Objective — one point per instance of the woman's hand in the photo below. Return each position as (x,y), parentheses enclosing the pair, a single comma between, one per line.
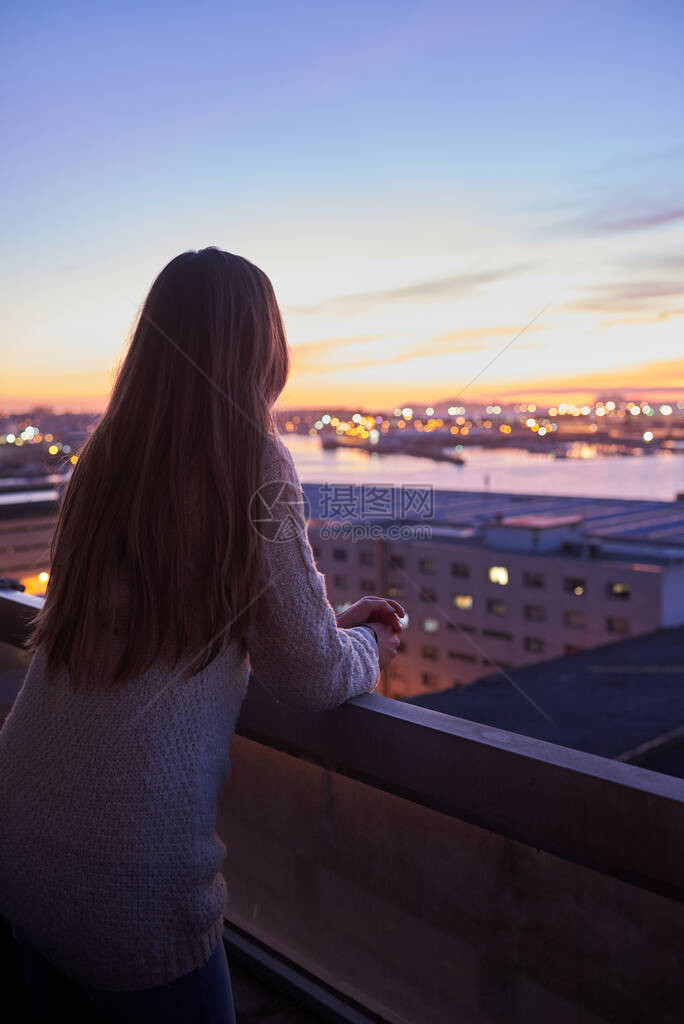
(372,609)
(388,642)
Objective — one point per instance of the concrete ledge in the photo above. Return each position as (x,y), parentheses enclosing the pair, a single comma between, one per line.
(616,818)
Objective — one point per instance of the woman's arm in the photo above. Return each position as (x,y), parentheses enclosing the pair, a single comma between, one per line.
(296,649)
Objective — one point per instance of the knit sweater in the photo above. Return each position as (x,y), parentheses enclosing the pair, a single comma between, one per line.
(109,858)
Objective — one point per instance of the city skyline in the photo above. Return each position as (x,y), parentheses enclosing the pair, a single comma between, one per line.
(432,191)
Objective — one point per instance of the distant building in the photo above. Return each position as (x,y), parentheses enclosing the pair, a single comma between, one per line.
(28,515)
(509,580)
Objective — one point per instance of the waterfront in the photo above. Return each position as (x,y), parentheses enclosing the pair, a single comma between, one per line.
(659,475)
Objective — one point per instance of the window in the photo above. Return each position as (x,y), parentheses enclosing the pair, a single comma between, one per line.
(426,565)
(574,585)
(427,594)
(575,620)
(572,649)
(395,590)
(340,581)
(497,664)
(614,625)
(340,554)
(496,607)
(429,625)
(534,644)
(367,558)
(396,562)
(497,574)
(462,656)
(534,579)
(368,586)
(428,679)
(622,590)
(460,569)
(534,613)
(461,628)
(429,652)
(496,634)
(463,602)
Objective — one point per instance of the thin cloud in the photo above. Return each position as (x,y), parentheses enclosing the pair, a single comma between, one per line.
(629,296)
(604,223)
(436,288)
(358,352)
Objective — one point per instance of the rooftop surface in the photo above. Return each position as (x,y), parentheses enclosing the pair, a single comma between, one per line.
(605,519)
(607,701)
(660,522)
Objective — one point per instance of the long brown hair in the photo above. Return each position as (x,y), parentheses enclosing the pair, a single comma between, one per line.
(160,494)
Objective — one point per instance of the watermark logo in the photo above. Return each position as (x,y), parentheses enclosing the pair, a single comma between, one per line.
(375,501)
(279,511)
(356,512)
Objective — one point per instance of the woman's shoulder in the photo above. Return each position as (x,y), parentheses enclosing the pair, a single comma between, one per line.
(277,461)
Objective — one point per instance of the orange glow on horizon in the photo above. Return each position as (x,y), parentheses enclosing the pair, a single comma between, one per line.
(89,391)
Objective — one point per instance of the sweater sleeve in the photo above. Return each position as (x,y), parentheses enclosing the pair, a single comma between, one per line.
(296,650)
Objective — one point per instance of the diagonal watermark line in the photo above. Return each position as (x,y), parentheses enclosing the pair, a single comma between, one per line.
(477,647)
(200,370)
(478,374)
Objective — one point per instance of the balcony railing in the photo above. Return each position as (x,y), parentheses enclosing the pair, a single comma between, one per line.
(418,867)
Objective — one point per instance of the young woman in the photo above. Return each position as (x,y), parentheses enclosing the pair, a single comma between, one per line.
(180,561)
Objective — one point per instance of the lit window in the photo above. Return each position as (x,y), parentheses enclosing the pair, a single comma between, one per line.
(575,586)
(463,602)
(395,590)
(622,590)
(498,574)
(430,625)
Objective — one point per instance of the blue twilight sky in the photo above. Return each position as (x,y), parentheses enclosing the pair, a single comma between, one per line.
(419,180)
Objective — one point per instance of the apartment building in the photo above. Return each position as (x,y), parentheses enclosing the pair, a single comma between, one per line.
(28,515)
(509,580)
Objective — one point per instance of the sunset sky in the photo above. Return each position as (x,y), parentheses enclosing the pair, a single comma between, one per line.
(420,181)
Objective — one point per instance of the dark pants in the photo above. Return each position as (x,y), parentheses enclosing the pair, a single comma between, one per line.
(204,996)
